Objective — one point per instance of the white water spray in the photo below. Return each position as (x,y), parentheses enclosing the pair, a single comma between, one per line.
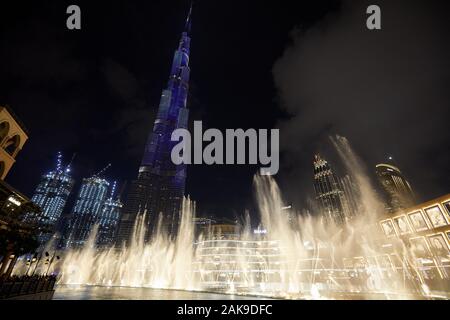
(300,258)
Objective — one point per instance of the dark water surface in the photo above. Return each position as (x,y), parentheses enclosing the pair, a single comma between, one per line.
(122,293)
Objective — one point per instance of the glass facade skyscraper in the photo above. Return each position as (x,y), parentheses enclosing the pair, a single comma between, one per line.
(108,220)
(86,211)
(397,189)
(53,191)
(159,188)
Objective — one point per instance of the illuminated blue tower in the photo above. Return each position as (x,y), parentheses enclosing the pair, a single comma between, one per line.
(159,188)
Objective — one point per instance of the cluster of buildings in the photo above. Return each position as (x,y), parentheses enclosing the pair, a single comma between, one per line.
(155,195)
(338,197)
(158,190)
(95,205)
(422,228)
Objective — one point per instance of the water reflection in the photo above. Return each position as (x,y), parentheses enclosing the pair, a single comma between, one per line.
(123,293)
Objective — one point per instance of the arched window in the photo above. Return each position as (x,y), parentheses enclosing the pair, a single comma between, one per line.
(12,144)
(4,130)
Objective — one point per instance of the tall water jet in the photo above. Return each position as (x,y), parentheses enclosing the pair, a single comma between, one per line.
(161,263)
(298,257)
(368,200)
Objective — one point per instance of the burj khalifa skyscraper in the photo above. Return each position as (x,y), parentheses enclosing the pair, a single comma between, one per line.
(159,188)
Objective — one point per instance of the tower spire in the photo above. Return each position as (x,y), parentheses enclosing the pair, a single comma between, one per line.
(187,27)
(69,165)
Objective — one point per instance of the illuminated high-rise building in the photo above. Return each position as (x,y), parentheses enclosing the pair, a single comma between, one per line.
(52,192)
(397,189)
(329,193)
(159,188)
(108,219)
(86,211)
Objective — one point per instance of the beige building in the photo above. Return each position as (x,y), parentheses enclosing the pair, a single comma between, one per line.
(13,204)
(13,136)
(425,229)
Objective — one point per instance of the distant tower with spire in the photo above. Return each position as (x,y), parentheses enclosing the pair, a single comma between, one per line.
(329,192)
(160,186)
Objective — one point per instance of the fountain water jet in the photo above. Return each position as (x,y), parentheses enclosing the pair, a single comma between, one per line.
(304,258)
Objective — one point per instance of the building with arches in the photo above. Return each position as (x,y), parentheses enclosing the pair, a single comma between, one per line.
(17,235)
(13,136)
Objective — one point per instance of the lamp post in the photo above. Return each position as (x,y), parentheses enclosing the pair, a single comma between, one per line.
(11,265)
(37,263)
(51,261)
(31,261)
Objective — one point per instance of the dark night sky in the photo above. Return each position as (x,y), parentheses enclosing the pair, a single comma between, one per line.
(310,68)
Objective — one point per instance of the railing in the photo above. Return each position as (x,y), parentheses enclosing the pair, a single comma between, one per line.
(20,286)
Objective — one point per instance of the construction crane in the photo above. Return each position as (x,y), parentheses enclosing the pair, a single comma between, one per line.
(69,166)
(101,171)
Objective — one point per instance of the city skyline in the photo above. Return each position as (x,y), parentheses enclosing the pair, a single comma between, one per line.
(121,83)
(225,150)
(53,191)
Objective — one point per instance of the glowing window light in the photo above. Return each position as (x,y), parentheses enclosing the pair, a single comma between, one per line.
(260,231)
(14,201)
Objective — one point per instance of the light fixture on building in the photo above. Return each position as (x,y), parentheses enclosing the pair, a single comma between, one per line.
(260,231)
(14,201)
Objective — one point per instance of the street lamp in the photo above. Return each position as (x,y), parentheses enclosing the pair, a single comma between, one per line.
(30,263)
(38,260)
(50,261)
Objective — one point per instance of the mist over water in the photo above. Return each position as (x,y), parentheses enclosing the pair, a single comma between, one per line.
(300,257)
